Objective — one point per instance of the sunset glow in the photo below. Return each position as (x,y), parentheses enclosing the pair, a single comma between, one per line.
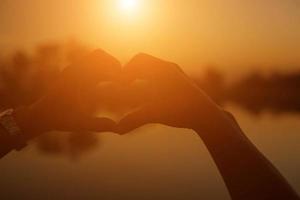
(235,36)
(150,99)
(128,6)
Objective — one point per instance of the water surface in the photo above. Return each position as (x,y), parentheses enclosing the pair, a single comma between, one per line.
(153,162)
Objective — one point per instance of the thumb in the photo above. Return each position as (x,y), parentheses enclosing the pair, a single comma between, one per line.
(98,124)
(136,119)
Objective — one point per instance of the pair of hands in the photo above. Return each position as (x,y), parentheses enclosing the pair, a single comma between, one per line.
(174,101)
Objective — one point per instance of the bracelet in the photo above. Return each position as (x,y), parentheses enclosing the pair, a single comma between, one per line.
(12,131)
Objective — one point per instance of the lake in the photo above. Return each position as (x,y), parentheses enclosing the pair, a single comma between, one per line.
(153,162)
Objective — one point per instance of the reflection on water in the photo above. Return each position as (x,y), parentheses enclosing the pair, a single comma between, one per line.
(153,162)
(72,145)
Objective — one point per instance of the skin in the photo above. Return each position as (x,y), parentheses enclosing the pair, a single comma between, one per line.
(174,101)
(178,102)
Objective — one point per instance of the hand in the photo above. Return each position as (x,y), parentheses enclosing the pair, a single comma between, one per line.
(68,105)
(176,101)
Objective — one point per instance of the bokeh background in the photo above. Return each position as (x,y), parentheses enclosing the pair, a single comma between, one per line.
(244,54)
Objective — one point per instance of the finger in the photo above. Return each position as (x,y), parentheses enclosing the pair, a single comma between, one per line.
(144,66)
(165,78)
(95,67)
(97,124)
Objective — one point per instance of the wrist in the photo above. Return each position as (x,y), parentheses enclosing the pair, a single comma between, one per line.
(28,122)
(216,121)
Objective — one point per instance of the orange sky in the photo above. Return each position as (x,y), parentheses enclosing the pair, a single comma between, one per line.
(231,34)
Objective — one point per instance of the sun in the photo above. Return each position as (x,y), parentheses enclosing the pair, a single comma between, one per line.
(128,5)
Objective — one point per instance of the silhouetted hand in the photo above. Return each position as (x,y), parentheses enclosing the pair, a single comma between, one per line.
(175,101)
(68,105)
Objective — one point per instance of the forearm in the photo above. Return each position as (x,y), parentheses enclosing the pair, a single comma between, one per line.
(246,172)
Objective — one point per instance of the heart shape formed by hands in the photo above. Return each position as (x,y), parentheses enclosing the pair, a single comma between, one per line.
(159,90)
(169,97)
